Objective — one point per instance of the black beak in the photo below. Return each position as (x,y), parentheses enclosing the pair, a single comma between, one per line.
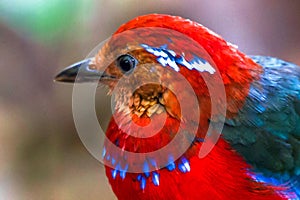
(80,72)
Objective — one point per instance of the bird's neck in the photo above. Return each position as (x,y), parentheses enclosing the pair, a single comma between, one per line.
(222,173)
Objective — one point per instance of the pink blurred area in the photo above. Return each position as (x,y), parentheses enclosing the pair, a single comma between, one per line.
(41,156)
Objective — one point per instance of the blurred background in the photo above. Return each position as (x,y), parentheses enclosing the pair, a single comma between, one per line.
(41,156)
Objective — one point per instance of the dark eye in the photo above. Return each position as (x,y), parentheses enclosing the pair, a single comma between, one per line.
(126,62)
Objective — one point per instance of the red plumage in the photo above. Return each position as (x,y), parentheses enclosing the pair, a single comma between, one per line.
(222,174)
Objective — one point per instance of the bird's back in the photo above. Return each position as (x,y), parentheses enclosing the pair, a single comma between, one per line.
(266,131)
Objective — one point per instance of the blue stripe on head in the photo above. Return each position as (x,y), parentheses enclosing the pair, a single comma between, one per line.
(168,57)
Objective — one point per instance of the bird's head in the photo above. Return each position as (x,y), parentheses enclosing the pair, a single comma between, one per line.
(143,67)
(159,65)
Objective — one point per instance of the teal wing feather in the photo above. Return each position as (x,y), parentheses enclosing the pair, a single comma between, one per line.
(266,131)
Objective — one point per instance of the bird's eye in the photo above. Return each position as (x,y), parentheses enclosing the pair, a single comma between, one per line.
(126,62)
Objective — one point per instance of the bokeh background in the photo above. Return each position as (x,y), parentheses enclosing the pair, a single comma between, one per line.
(41,156)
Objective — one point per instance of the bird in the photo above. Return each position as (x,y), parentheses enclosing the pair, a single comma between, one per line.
(165,69)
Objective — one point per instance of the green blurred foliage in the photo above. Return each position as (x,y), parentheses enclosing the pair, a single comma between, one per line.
(43,19)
